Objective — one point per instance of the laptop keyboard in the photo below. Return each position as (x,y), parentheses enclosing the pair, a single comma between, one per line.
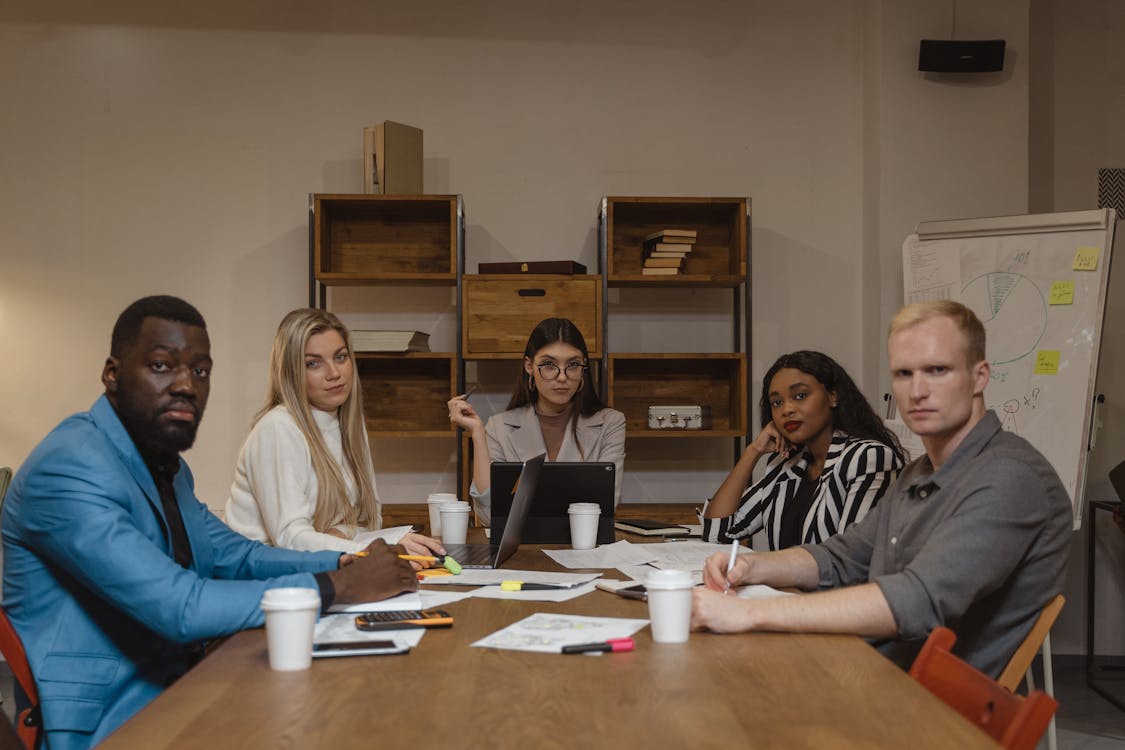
(472,555)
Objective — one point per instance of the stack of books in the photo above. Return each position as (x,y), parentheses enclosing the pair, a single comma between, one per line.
(665,251)
(390,341)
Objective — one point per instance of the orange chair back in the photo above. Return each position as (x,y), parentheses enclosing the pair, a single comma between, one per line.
(29,725)
(1016,723)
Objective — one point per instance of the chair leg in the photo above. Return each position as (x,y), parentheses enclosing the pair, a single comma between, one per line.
(1049,688)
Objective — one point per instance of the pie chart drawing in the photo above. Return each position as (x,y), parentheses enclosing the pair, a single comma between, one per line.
(1013,311)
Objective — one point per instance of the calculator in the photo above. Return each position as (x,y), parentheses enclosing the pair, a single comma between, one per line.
(404,618)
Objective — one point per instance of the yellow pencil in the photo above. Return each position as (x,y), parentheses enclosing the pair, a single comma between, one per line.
(417,558)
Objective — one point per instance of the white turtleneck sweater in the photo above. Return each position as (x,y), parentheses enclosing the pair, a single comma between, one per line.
(273,496)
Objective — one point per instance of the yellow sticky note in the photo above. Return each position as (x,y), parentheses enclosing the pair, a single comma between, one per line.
(1062,293)
(1086,258)
(1047,362)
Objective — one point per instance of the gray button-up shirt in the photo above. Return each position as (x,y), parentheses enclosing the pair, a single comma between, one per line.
(979,546)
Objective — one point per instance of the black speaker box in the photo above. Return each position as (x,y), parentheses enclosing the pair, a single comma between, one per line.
(953,56)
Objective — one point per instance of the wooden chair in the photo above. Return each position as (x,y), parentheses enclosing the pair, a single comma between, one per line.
(29,724)
(1019,666)
(1015,722)
(1020,663)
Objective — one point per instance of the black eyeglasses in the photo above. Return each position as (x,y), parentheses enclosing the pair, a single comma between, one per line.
(550,371)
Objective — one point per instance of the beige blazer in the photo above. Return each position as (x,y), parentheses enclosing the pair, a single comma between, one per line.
(515,435)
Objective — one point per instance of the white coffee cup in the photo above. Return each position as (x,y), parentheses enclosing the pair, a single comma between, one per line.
(454,522)
(433,502)
(290,620)
(669,605)
(584,524)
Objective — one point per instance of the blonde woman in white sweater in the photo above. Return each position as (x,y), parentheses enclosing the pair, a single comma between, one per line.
(304,478)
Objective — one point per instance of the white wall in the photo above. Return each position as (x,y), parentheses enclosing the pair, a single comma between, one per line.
(174,153)
(1077,111)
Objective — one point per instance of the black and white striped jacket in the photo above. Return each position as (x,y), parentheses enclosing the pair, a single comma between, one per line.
(856,474)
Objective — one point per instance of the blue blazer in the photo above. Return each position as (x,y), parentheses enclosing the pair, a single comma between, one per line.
(107,617)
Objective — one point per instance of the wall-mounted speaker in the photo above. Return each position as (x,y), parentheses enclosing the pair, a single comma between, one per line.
(952,56)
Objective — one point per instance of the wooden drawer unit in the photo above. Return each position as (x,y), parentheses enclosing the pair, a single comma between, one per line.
(718,257)
(405,395)
(637,381)
(500,311)
(374,239)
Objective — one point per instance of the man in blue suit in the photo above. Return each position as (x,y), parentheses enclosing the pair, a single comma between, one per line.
(115,575)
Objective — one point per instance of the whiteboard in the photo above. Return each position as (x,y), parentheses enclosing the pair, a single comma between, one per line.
(1038,283)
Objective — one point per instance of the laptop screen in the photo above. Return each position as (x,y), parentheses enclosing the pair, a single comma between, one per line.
(559,485)
(520,505)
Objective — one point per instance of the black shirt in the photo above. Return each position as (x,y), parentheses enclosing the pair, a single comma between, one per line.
(794,512)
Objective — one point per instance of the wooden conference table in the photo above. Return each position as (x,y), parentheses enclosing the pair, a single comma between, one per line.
(761,690)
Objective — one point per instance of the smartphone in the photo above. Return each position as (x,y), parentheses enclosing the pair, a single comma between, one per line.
(404,618)
(358,648)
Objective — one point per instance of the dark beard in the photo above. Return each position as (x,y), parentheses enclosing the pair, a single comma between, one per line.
(155,441)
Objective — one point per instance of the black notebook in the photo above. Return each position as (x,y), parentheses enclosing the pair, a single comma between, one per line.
(650,527)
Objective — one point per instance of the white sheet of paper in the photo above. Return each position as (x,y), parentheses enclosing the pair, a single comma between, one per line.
(488,576)
(688,555)
(548,632)
(392,535)
(409,600)
(341,629)
(606,556)
(550,595)
(761,591)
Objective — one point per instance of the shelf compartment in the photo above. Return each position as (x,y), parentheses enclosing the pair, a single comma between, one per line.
(718,257)
(374,239)
(405,395)
(718,380)
(501,310)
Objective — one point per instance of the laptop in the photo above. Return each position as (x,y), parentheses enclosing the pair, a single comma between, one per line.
(560,484)
(494,555)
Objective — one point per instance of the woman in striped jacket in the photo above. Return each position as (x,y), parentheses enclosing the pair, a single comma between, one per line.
(832,460)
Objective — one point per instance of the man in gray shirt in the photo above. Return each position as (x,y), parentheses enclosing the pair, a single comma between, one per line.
(973,535)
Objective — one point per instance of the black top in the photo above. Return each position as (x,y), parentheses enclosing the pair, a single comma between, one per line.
(794,512)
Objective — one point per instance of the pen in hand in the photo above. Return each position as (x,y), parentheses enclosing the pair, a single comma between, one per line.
(730,563)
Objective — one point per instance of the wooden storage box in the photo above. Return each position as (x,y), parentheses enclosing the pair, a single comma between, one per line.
(638,381)
(405,395)
(372,239)
(500,311)
(718,257)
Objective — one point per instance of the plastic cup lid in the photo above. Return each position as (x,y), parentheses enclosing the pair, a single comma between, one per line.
(584,508)
(441,497)
(290,598)
(454,507)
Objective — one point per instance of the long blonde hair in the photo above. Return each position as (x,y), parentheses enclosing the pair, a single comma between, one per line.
(287,387)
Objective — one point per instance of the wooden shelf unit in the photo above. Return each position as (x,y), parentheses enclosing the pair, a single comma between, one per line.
(500,311)
(404,395)
(393,240)
(718,380)
(360,240)
(718,258)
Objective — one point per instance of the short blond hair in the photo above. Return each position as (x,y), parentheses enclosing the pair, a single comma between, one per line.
(965,319)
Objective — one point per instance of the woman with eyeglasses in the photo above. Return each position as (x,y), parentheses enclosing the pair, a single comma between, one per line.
(555,409)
